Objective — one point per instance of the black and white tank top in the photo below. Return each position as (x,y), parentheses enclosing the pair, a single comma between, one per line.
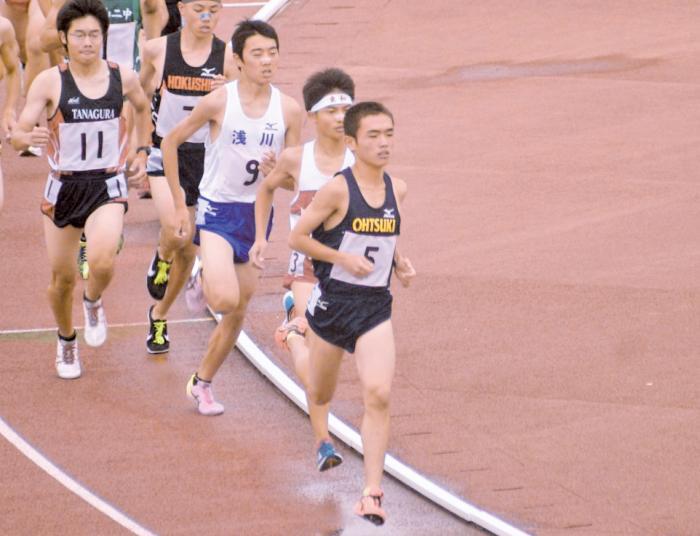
(365,230)
(182,86)
(88,136)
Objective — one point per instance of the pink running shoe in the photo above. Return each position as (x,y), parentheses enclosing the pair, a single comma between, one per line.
(203,396)
(370,506)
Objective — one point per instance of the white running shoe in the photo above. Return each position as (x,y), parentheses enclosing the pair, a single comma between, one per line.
(95,322)
(67,359)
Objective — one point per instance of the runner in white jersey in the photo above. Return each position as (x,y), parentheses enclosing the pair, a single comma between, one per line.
(327,96)
(350,229)
(250,121)
(178,70)
(86,189)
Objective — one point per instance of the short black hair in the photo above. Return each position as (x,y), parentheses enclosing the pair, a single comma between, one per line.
(247,28)
(321,83)
(356,112)
(76,9)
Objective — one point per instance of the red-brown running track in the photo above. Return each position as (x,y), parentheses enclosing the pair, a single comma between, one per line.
(547,351)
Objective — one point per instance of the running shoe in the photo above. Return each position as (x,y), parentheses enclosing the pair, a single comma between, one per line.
(288,304)
(327,457)
(83,267)
(370,506)
(157,277)
(294,328)
(194,293)
(95,322)
(67,359)
(201,392)
(157,341)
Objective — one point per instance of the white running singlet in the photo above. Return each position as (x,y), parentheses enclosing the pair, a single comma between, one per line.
(232,160)
(311,180)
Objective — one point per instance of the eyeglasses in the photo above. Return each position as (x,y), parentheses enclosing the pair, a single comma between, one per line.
(92,36)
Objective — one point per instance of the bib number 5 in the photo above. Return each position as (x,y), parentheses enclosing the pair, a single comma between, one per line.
(369,250)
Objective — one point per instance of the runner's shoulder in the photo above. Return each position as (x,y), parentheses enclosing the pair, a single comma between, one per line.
(290,105)
(400,187)
(153,48)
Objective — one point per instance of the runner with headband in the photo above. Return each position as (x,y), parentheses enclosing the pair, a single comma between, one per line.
(327,96)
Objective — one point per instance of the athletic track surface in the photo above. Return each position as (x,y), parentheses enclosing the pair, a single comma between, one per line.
(547,352)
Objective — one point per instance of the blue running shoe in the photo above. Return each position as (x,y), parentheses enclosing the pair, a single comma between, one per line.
(327,457)
(288,304)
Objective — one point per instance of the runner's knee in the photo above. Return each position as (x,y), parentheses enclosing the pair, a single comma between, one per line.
(377,397)
(102,264)
(319,396)
(62,282)
(222,300)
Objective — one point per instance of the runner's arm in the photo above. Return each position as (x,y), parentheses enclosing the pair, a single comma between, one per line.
(142,108)
(292,118)
(402,265)
(39,97)
(49,35)
(206,111)
(280,176)
(9,50)
(230,69)
(142,122)
(147,74)
(153,17)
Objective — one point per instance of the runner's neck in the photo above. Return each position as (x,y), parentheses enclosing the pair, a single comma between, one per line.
(331,147)
(368,175)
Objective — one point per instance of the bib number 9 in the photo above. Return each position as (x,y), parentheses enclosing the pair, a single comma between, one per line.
(252,167)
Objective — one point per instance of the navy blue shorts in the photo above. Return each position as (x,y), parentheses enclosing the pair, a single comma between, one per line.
(234,222)
(341,319)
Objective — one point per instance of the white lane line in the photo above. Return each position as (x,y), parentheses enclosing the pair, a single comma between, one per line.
(125,325)
(81,491)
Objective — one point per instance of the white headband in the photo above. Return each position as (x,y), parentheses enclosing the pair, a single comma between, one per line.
(332,99)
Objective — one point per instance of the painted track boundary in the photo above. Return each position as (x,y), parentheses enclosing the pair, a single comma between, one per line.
(70,483)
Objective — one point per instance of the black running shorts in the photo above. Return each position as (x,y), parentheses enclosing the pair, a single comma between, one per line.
(71,200)
(341,319)
(190,163)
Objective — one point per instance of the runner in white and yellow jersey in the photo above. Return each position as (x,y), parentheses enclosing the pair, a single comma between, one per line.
(327,95)
(86,188)
(250,121)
